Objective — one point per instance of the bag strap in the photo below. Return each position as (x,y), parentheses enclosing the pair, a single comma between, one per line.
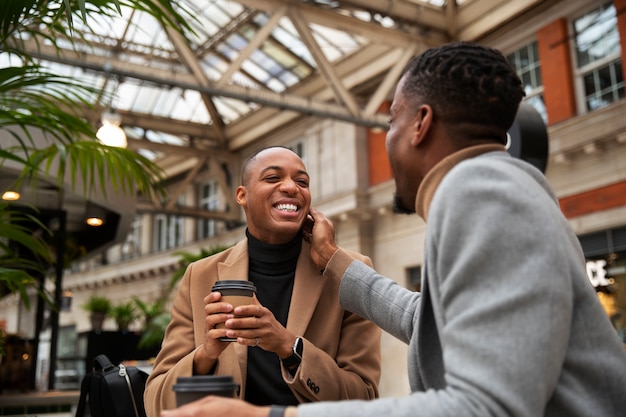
(124,373)
(82,400)
(102,364)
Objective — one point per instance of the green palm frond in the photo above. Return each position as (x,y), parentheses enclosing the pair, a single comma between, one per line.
(35,100)
(97,165)
(17,271)
(153,333)
(23,17)
(13,228)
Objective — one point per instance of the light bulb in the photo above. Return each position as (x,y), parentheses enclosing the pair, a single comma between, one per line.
(112,135)
(10,195)
(94,221)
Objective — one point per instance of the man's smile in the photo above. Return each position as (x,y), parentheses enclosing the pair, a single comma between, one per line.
(290,208)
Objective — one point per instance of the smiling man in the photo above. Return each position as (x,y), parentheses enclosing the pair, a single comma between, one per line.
(294,343)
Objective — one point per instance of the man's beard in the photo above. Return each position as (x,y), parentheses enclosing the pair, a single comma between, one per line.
(400,208)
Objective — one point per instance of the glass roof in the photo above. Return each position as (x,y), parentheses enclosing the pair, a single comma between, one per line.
(222,30)
(230,46)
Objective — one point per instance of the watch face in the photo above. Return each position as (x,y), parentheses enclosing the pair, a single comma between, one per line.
(296,357)
(298,347)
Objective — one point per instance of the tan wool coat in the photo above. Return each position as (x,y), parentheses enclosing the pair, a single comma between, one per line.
(341,357)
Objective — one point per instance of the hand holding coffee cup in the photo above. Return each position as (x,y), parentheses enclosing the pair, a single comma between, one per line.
(234,292)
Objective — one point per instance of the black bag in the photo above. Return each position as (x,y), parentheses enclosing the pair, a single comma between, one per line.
(112,391)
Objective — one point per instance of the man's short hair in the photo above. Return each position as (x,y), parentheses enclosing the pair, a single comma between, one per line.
(465,83)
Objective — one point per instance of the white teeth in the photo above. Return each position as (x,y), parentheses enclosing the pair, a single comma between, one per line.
(286,207)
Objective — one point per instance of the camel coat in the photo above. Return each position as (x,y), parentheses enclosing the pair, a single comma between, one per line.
(341,357)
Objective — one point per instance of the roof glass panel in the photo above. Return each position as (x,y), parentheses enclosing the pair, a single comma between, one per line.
(231,109)
(167,101)
(287,34)
(144,30)
(243,80)
(159,137)
(77,75)
(146,99)
(334,43)
(134,43)
(287,60)
(275,84)
(259,74)
(270,66)
(227,51)
(210,18)
(288,78)
(126,95)
(213,66)
(189,107)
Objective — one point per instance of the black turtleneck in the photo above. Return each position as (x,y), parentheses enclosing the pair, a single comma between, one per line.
(272,269)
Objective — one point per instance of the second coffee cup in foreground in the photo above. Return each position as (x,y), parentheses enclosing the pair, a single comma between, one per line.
(192,388)
(234,292)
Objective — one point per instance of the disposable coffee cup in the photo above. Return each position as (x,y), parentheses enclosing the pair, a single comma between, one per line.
(192,388)
(234,292)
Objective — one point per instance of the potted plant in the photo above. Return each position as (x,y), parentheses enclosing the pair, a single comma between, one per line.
(148,311)
(99,308)
(124,314)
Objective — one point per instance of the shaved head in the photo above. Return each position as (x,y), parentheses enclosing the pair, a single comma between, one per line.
(250,162)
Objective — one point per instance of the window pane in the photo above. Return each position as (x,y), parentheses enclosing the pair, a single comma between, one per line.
(528,66)
(209,199)
(598,55)
(596,35)
(604,86)
(526,62)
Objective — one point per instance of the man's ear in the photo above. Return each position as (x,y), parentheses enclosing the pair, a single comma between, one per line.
(423,121)
(240,195)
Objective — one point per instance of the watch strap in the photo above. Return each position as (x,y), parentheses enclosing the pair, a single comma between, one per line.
(277,411)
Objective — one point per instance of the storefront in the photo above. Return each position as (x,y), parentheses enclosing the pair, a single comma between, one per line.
(605,253)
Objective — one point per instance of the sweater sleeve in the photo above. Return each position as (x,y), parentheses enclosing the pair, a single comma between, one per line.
(366,293)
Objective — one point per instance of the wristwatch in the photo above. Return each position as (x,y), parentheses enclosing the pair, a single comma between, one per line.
(294,360)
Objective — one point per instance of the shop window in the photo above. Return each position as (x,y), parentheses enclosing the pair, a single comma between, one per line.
(131,248)
(598,58)
(526,62)
(167,231)
(70,365)
(298,147)
(605,253)
(209,199)
(604,242)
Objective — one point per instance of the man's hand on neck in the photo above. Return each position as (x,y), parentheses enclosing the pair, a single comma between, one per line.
(320,234)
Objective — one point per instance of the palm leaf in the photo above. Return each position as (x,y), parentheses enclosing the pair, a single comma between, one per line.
(33,99)
(13,227)
(98,165)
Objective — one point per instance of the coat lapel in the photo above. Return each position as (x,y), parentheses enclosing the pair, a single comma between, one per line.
(236,265)
(307,289)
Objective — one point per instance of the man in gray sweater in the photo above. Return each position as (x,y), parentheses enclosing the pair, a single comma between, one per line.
(507,322)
